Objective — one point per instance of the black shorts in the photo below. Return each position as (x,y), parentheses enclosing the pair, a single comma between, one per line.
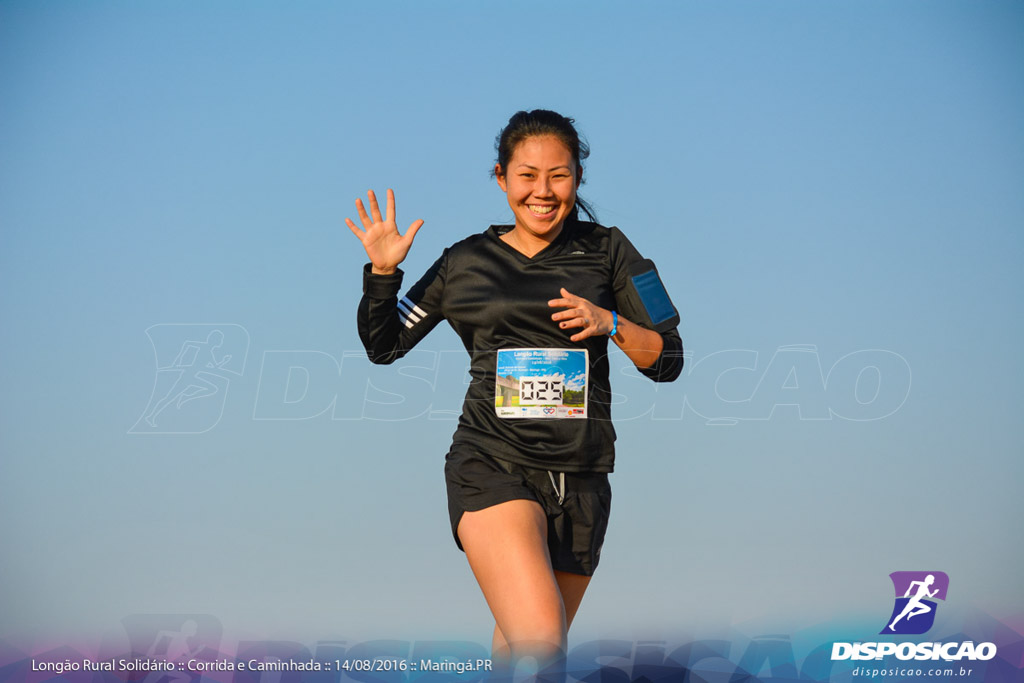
(577,504)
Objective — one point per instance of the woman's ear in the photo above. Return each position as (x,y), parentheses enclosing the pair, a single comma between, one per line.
(499,175)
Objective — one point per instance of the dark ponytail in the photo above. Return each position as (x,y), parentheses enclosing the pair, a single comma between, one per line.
(528,124)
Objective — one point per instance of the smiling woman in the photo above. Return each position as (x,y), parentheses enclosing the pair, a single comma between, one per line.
(540,167)
(527,472)
(541,186)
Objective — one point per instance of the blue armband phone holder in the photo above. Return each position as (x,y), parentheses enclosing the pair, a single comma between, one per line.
(647,294)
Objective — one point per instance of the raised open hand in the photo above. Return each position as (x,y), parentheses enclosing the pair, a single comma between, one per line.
(384,245)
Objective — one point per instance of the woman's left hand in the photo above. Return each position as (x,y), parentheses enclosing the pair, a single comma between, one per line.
(581,313)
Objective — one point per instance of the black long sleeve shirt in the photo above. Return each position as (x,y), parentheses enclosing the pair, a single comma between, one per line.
(495,298)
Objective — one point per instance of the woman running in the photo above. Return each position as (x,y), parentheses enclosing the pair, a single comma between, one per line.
(535,304)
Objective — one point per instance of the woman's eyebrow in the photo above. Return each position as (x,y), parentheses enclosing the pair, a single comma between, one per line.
(553,168)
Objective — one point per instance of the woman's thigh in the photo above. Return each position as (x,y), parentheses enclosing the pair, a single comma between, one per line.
(506,545)
(572,587)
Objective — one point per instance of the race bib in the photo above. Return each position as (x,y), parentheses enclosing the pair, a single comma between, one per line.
(544,383)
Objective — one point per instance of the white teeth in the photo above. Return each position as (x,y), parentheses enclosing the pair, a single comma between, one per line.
(542,209)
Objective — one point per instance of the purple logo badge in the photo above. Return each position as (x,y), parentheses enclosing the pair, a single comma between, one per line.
(916,592)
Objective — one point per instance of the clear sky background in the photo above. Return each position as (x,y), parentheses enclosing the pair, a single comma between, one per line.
(830,190)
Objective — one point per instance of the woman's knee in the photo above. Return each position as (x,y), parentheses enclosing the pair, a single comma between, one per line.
(538,661)
(540,645)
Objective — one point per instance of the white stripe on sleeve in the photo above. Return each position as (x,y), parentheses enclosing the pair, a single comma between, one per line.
(407,311)
(413,307)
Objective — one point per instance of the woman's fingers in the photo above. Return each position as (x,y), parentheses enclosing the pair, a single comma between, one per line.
(413,229)
(569,314)
(563,303)
(588,324)
(355,229)
(362,214)
(374,216)
(374,207)
(591,324)
(576,316)
(559,303)
(384,245)
(574,305)
(576,319)
(568,299)
(578,312)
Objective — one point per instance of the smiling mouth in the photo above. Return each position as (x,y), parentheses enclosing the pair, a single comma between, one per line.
(538,210)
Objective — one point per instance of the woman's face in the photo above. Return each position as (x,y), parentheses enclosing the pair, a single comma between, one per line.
(540,182)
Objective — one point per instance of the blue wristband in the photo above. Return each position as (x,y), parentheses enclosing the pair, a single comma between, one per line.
(615,324)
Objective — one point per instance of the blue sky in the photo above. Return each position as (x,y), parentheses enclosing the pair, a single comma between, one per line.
(831,192)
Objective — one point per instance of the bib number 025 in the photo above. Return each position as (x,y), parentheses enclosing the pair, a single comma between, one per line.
(535,391)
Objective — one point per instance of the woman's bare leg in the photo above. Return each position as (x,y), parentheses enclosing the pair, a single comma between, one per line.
(571,586)
(506,546)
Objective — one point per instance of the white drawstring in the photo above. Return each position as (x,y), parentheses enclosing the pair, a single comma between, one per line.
(560,491)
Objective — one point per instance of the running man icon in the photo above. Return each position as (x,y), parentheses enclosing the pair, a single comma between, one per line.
(191,383)
(915,606)
(195,364)
(175,647)
(918,589)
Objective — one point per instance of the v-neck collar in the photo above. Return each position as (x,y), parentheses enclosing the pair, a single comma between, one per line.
(496,231)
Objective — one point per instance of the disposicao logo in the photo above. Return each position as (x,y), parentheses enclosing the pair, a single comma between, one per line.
(913,614)
(916,592)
